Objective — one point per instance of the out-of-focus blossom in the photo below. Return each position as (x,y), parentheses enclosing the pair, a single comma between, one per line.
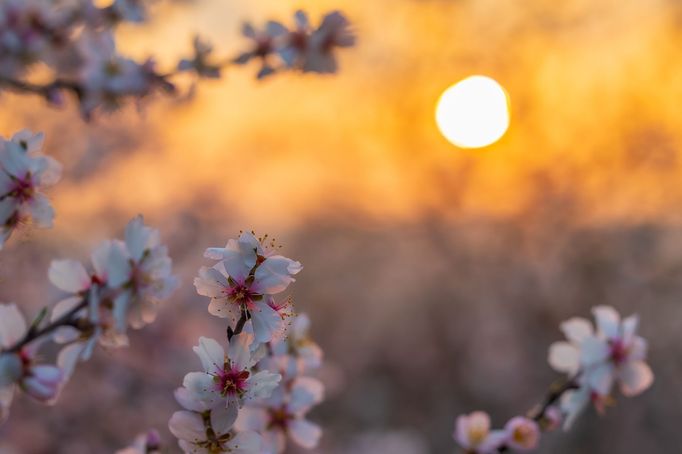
(209,432)
(145,279)
(264,46)
(200,63)
(241,282)
(522,434)
(472,432)
(228,380)
(107,79)
(333,33)
(128,10)
(282,415)
(295,354)
(24,173)
(145,443)
(18,368)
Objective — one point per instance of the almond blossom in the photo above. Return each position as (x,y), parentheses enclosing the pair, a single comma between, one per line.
(614,353)
(228,379)
(282,415)
(240,283)
(522,434)
(18,368)
(201,429)
(24,174)
(472,432)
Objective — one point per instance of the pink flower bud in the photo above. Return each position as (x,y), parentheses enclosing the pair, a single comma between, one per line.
(523,434)
(43,382)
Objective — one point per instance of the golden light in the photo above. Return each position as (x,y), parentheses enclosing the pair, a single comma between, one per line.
(473,113)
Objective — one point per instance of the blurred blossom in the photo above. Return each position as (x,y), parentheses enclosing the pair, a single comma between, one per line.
(24,174)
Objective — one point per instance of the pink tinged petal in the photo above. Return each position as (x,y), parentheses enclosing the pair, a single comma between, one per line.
(476,423)
(600,378)
(638,349)
(52,172)
(31,142)
(12,325)
(266,322)
(68,357)
(635,377)
(492,442)
(118,266)
(211,354)
(235,267)
(211,283)
(261,385)
(188,426)
(120,311)
(39,389)
(191,448)
(100,259)
(6,186)
(252,418)
(40,210)
(137,237)
(202,387)
(304,433)
(608,321)
(577,329)
(305,392)
(224,308)
(522,434)
(239,352)
(594,351)
(11,369)
(573,403)
(68,275)
(273,275)
(629,328)
(49,375)
(245,443)
(223,418)
(15,161)
(6,396)
(188,401)
(564,357)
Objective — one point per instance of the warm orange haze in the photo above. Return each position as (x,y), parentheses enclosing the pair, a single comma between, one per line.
(436,274)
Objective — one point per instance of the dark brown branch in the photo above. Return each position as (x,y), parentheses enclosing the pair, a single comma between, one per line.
(34,332)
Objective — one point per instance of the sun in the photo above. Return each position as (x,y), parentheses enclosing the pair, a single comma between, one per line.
(473,113)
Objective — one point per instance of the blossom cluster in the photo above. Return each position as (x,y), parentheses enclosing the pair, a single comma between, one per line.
(254,392)
(303,47)
(594,359)
(122,288)
(24,173)
(75,39)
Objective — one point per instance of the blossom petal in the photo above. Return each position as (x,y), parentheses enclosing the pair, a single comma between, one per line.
(304,433)
(211,354)
(635,377)
(68,275)
(564,357)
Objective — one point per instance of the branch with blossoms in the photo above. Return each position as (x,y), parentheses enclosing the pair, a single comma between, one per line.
(594,360)
(255,391)
(123,287)
(76,42)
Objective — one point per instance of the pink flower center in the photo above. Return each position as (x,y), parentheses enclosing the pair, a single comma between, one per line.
(232,381)
(279,418)
(619,352)
(23,189)
(241,294)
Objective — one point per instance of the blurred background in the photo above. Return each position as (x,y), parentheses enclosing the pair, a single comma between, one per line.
(435,277)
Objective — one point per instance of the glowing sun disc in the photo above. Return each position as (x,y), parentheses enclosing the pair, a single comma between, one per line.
(473,113)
